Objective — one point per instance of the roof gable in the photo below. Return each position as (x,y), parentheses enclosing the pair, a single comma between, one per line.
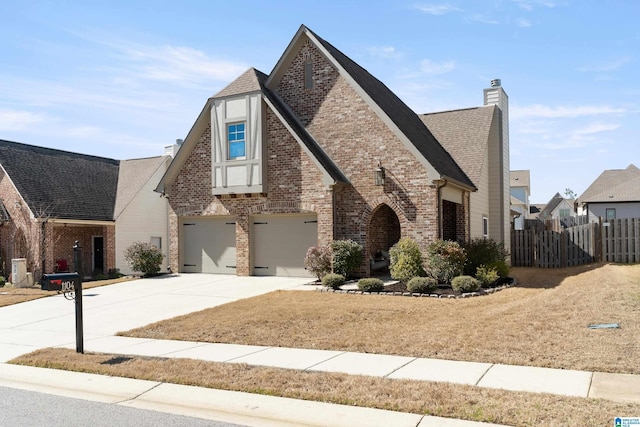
(250,81)
(404,121)
(133,176)
(61,184)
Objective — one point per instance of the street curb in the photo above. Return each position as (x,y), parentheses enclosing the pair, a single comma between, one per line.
(221,405)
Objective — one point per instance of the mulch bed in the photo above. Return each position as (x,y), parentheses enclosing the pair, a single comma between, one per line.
(400,289)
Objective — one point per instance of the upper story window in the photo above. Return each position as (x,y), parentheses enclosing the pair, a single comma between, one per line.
(565,213)
(610,213)
(236,141)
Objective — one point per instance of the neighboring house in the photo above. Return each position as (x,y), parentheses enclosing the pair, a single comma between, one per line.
(614,194)
(558,208)
(140,214)
(320,150)
(520,190)
(53,198)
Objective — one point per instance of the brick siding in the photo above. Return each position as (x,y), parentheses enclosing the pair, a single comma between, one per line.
(354,137)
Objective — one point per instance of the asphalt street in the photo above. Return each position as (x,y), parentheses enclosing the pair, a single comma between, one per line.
(28,408)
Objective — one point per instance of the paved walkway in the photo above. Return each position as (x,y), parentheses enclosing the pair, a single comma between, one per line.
(50,322)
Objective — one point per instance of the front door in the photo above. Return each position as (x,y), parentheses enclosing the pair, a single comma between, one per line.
(98,253)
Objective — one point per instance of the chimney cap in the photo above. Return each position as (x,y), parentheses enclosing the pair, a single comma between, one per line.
(179,141)
(496,83)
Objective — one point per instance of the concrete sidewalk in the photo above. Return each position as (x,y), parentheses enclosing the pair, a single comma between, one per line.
(49,322)
(617,387)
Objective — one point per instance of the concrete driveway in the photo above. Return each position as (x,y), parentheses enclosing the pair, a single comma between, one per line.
(49,322)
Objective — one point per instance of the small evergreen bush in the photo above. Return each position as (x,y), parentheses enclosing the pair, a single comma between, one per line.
(445,260)
(144,257)
(465,284)
(333,281)
(487,276)
(406,260)
(371,284)
(347,256)
(422,285)
(318,261)
(3,281)
(114,273)
(486,252)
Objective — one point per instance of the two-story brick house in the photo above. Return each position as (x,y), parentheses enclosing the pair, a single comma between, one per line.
(318,150)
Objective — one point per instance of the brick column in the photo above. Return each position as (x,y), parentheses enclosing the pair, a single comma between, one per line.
(243,246)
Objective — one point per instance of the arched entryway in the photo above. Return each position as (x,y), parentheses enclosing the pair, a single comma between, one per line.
(384,232)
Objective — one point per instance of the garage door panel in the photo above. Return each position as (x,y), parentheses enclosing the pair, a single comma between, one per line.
(209,245)
(280,244)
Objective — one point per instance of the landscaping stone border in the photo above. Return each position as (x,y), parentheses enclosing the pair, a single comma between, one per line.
(478,293)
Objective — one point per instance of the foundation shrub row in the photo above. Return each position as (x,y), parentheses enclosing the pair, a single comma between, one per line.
(464,268)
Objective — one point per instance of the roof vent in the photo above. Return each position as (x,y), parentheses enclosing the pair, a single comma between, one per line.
(496,83)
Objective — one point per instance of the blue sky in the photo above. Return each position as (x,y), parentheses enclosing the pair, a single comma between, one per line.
(122,79)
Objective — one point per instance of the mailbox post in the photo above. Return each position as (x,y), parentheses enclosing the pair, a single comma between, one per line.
(77,262)
(70,284)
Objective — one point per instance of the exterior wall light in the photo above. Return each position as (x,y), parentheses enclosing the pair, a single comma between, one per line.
(379,175)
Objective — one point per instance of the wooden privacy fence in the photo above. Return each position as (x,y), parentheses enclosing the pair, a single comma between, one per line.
(555,247)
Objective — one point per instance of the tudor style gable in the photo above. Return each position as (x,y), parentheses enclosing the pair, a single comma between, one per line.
(237,129)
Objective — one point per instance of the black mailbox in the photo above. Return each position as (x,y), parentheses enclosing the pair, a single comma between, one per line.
(64,282)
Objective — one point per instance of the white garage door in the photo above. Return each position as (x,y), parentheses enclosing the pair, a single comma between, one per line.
(280,243)
(209,245)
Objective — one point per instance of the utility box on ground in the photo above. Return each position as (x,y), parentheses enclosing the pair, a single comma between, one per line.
(19,272)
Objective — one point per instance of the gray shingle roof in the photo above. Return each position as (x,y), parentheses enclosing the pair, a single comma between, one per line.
(61,184)
(401,115)
(614,185)
(250,81)
(465,135)
(549,207)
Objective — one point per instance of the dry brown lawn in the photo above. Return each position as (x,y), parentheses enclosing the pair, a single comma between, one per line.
(10,295)
(541,322)
(420,397)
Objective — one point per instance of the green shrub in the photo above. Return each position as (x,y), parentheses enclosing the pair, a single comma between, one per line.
(465,284)
(370,285)
(347,256)
(406,260)
(3,281)
(486,275)
(318,260)
(445,260)
(422,285)
(114,273)
(144,257)
(333,281)
(486,252)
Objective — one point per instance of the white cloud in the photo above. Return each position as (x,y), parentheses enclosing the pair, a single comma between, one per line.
(531,4)
(606,67)
(179,64)
(384,52)
(437,9)
(478,17)
(15,120)
(545,111)
(430,67)
(523,23)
